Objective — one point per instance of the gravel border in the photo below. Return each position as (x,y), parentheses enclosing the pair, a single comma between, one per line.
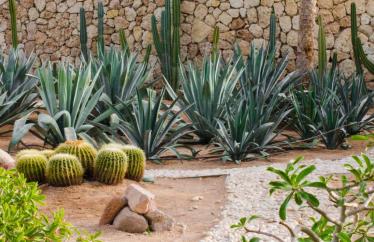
(248,194)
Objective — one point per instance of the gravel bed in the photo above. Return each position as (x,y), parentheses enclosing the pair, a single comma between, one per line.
(248,194)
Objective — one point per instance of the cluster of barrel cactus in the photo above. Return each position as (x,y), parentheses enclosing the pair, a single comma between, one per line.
(71,161)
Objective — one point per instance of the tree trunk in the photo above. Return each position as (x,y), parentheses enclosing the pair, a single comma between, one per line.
(305,53)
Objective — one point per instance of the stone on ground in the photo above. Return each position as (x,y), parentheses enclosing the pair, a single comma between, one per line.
(112,209)
(130,222)
(159,221)
(6,161)
(139,199)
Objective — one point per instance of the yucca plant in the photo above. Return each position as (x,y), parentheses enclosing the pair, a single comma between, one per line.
(68,98)
(207,91)
(151,125)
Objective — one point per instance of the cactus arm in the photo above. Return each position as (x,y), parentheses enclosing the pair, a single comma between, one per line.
(215,43)
(272,33)
(322,56)
(100,28)
(13,22)
(355,41)
(83,34)
(365,61)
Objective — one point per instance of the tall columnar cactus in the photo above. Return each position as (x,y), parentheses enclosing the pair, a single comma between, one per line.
(359,53)
(64,170)
(110,166)
(100,28)
(26,151)
(83,34)
(167,41)
(137,162)
(85,152)
(322,50)
(33,166)
(13,22)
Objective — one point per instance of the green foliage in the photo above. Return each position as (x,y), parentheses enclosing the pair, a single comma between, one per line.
(17,87)
(100,28)
(207,91)
(21,219)
(84,151)
(13,22)
(64,170)
(151,125)
(69,99)
(359,54)
(167,41)
(33,166)
(83,34)
(136,161)
(259,106)
(110,166)
(352,197)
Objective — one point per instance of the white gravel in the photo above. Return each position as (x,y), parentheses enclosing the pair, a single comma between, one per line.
(248,194)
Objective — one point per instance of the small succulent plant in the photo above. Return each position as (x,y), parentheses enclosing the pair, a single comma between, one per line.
(64,170)
(32,165)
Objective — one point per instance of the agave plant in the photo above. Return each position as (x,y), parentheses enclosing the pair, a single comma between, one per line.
(68,98)
(207,91)
(17,87)
(244,131)
(356,102)
(152,126)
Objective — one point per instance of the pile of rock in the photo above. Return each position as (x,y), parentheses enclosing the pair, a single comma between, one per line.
(135,212)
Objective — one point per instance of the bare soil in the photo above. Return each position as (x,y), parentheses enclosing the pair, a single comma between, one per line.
(84,204)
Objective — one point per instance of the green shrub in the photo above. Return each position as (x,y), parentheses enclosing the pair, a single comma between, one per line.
(64,170)
(20,219)
(85,153)
(33,166)
(110,166)
(352,196)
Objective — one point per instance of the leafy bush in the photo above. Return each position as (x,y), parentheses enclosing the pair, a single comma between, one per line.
(207,91)
(151,125)
(68,98)
(353,198)
(20,219)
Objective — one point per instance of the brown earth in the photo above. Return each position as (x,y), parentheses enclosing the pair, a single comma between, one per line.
(84,204)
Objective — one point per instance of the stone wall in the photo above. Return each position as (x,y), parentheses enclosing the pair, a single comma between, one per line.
(51,27)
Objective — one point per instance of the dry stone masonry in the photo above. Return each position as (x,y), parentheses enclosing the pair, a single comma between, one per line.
(51,28)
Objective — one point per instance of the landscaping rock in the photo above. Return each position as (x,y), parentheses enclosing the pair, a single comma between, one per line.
(130,222)
(159,221)
(112,209)
(139,199)
(6,161)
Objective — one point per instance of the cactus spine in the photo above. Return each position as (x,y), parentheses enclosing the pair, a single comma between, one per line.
(167,41)
(13,22)
(85,153)
(359,54)
(33,166)
(137,162)
(47,153)
(83,34)
(110,166)
(64,170)
(26,152)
